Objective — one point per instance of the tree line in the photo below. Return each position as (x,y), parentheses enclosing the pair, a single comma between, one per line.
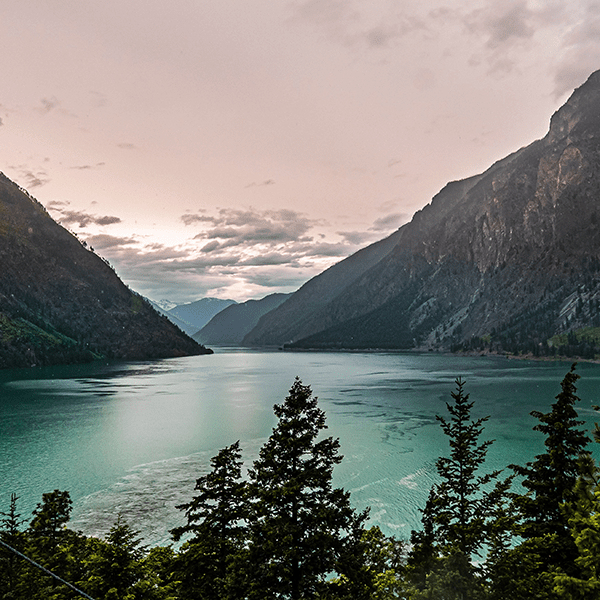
(284,531)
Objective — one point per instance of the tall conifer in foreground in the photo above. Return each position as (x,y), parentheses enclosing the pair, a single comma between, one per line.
(461,511)
(547,548)
(300,526)
(216,523)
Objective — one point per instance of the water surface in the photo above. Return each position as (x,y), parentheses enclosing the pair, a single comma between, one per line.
(133,437)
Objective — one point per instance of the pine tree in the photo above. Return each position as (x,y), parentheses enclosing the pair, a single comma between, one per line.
(462,509)
(114,565)
(216,522)
(583,513)
(300,526)
(550,479)
(49,542)
(547,548)
(10,563)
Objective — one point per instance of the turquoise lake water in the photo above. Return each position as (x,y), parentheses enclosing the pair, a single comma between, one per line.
(132,438)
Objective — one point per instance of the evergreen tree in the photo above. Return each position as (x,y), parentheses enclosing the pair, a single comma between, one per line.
(462,509)
(583,514)
(300,527)
(550,479)
(215,520)
(114,565)
(10,563)
(48,542)
(547,548)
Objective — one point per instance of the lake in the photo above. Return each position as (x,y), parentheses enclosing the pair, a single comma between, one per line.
(132,437)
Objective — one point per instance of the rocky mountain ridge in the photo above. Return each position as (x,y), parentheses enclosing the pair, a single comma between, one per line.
(504,260)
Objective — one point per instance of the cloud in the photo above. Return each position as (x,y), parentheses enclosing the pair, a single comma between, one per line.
(354,24)
(266,182)
(243,249)
(88,167)
(56,204)
(502,23)
(249,226)
(103,241)
(389,222)
(29,178)
(581,44)
(81,218)
(48,105)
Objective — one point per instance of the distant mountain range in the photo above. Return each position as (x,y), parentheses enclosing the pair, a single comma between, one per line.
(230,326)
(61,303)
(508,260)
(192,317)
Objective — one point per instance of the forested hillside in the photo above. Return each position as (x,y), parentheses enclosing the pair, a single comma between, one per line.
(61,303)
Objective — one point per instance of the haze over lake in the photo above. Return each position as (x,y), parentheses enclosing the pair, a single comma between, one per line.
(133,437)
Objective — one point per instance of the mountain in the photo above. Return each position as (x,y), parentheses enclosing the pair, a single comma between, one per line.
(228,327)
(61,303)
(506,260)
(160,308)
(194,316)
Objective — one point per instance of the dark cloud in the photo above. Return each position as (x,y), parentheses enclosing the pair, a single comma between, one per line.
(272,258)
(389,222)
(83,219)
(88,167)
(103,241)
(357,238)
(266,182)
(214,245)
(189,219)
(56,204)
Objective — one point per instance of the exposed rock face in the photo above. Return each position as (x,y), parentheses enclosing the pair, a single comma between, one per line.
(511,256)
(60,302)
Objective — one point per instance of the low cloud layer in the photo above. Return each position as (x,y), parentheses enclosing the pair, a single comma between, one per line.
(238,253)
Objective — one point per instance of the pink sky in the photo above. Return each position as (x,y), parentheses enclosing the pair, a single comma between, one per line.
(237,148)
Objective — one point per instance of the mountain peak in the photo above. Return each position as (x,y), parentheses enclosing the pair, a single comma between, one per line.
(581,109)
(506,260)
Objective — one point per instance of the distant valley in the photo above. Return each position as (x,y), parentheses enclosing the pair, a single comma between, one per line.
(505,261)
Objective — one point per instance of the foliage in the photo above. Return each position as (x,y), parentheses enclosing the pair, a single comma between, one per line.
(300,527)
(205,566)
(462,513)
(544,547)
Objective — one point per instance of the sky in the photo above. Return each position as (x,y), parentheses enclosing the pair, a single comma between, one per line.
(237,148)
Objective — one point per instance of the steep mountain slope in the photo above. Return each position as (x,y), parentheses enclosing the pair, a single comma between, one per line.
(60,302)
(229,327)
(295,316)
(194,316)
(503,260)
